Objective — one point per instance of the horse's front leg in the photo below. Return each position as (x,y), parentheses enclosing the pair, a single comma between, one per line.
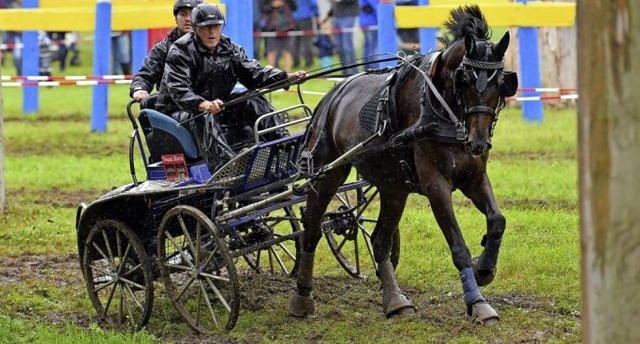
(439,193)
(481,194)
(318,198)
(391,208)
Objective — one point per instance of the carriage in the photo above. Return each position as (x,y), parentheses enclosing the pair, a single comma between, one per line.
(193,231)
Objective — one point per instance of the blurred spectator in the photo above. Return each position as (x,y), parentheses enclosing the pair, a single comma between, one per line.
(3,4)
(306,19)
(258,26)
(369,18)
(279,18)
(14,40)
(121,61)
(71,42)
(409,39)
(324,44)
(66,41)
(344,18)
(44,44)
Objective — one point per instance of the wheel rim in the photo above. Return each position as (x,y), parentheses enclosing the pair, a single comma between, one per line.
(282,257)
(118,275)
(197,270)
(351,244)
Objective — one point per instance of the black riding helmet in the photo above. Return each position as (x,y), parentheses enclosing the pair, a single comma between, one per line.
(207,14)
(184,4)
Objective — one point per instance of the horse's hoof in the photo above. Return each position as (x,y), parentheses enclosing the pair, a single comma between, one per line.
(483,276)
(301,306)
(399,305)
(483,314)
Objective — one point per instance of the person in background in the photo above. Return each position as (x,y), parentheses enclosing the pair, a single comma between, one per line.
(121,61)
(279,19)
(344,18)
(324,44)
(201,70)
(71,42)
(44,45)
(150,74)
(258,26)
(368,19)
(306,19)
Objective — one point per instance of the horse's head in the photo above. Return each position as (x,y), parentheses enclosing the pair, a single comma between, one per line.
(476,78)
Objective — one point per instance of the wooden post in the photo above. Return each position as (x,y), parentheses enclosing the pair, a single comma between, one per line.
(609,137)
(3,195)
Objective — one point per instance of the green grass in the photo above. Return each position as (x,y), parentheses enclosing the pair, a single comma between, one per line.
(53,162)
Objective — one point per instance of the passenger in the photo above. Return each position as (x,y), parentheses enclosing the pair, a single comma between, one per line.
(201,71)
(150,74)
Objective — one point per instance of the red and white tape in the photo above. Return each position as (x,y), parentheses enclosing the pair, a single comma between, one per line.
(92,80)
(65,77)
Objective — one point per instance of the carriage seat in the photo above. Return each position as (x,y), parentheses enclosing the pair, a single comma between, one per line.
(165,136)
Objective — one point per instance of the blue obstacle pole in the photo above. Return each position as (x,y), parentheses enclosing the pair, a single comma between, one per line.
(530,70)
(387,40)
(139,43)
(101,55)
(427,35)
(239,23)
(30,63)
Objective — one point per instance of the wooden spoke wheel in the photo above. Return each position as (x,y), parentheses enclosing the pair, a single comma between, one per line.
(348,225)
(281,257)
(118,275)
(197,270)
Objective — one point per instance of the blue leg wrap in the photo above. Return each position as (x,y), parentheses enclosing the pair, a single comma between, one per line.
(470,287)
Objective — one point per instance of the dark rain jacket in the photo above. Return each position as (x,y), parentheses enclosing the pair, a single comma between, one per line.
(192,74)
(150,74)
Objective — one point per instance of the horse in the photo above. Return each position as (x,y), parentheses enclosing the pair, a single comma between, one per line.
(434,119)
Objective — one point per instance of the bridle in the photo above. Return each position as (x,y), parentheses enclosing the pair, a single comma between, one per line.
(478,69)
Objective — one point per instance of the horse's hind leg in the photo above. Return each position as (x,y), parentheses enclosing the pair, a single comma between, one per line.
(318,198)
(391,209)
(481,194)
(439,194)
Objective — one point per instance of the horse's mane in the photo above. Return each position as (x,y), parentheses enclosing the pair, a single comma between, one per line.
(465,20)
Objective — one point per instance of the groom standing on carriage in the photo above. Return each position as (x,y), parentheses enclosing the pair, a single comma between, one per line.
(201,70)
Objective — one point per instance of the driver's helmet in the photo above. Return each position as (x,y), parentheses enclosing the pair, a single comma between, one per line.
(184,4)
(207,14)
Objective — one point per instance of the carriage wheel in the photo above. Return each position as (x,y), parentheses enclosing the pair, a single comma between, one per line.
(348,225)
(197,270)
(118,275)
(282,257)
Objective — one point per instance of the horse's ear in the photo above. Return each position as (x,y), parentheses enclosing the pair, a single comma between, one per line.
(469,44)
(502,46)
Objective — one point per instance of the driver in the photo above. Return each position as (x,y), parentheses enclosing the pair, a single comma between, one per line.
(200,72)
(150,74)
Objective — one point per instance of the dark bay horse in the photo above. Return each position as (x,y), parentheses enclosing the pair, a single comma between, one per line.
(435,138)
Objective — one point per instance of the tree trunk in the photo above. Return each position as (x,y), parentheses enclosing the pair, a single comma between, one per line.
(609,137)
(3,195)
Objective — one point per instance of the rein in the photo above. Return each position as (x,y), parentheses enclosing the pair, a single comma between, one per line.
(287,83)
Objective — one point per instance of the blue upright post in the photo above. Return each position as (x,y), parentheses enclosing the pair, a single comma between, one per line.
(387,40)
(139,43)
(530,70)
(101,55)
(239,23)
(427,34)
(30,63)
